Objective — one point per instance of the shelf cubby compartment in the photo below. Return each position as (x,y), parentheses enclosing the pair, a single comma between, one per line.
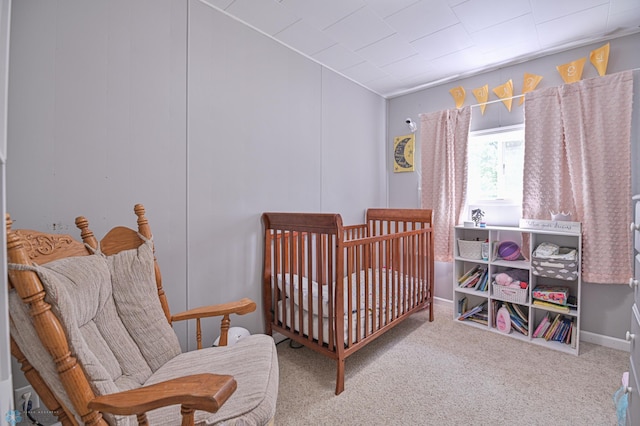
(465,303)
(573,291)
(562,336)
(472,277)
(518,314)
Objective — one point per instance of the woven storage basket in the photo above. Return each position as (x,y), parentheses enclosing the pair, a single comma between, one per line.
(510,294)
(470,249)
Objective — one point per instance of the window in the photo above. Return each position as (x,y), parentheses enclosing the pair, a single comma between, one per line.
(495,165)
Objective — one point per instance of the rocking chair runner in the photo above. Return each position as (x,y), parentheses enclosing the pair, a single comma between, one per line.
(93,334)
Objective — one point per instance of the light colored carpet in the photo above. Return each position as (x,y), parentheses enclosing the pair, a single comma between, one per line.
(443,373)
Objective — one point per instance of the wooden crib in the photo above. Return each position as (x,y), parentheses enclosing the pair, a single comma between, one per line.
(335,288)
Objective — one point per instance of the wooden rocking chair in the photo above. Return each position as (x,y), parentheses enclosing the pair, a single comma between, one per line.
(91,327)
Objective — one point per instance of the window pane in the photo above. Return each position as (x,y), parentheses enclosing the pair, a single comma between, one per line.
(483,174)
(513,166)
(495,164)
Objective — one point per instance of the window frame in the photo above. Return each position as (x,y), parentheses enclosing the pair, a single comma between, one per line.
(489,133)
(500,211)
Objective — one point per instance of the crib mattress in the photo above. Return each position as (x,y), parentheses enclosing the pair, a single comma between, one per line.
(371,306)
(363,283)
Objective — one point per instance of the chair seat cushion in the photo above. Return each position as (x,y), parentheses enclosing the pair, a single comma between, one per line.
(252,361)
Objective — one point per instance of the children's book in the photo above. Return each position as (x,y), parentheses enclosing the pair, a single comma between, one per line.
(494,250)
(545,327)
(494,311)
(553,306)
(478,285)
(559,330)
(472,311)
(520,312)
(471,279)
(467,274)
(567,339)
(485,280)
(477,319)
(565,330)
(548,335)
(462,305)
(518,326)
(541,327)
(515,316)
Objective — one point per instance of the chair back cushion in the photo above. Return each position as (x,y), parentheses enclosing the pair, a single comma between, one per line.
(136,299)
(112,317)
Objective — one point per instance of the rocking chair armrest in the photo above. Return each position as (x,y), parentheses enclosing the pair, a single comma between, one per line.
(199,392)
(240,307)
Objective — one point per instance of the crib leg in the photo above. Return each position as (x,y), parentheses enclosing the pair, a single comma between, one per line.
(340,376)
(431,311)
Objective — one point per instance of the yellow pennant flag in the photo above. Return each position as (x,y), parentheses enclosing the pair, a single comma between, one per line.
(458,94)
(530,82)
(505,92)
(600,59)
(572,71)
(482,95)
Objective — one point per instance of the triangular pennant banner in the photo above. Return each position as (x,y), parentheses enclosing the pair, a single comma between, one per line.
(458,94)
(530,82)
(482,95)
(600,59)
(505,92)
(572,71)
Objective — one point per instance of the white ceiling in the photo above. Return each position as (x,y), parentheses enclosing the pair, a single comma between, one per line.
(398,46)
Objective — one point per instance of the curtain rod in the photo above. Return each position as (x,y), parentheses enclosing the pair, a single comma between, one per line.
(496,100)
(520,96)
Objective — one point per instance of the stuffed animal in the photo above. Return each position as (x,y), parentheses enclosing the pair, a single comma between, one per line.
(507,280)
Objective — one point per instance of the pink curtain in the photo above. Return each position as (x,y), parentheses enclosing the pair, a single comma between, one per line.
(443,144)
(578,159)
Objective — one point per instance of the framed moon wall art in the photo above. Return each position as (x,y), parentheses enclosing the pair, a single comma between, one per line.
(403,150)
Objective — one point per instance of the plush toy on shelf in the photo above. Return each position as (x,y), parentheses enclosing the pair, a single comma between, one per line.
(508,280)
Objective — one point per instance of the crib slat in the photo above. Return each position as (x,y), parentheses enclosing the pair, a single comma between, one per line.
(336,319)
(321,283)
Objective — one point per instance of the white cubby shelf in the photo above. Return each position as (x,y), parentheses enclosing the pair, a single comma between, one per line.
(525,310)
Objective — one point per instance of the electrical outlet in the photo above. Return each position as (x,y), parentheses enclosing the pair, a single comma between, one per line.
(18,400)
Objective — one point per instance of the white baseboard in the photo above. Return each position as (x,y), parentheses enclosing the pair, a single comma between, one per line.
(442,302)
(585,336)
(606,341)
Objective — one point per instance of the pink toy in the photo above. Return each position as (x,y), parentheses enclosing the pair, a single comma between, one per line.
(508,250)
(507,281)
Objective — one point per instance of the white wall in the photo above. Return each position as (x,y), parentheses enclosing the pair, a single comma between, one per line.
(6,391)
(268,130)
(605,308)
(205,121)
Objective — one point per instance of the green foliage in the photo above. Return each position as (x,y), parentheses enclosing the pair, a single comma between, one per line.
(495,164)
(483,158)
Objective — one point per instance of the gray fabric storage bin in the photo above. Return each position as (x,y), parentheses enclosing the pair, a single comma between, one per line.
(553,267)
